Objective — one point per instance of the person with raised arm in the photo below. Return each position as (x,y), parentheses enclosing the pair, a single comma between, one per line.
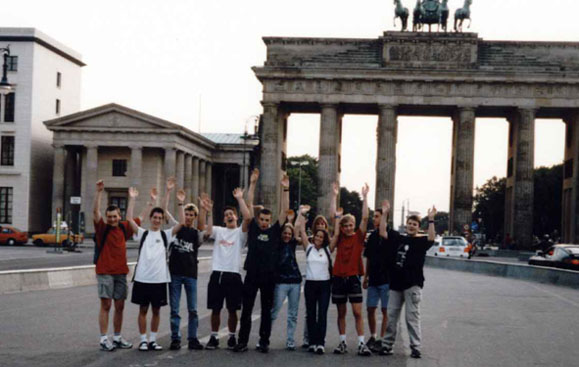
(405,264)
(225,284)
(317,287)
(261,266)
(151,274)
(348,267)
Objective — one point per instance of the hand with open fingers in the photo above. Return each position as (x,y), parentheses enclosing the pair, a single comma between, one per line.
(154,194)
(385,206)
(339,212)
(203,196)
(304,209)
(207,204)
(181,195)
(365,190)
(171,181)
(335,188)
(290,215)
(432,213)
(133,192)
(238,193)
(100,185)
(285,182)
(254,175)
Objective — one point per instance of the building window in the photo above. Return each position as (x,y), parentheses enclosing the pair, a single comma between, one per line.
(119,167)
(7,151)
(119,200)
(9,103)
(58,106)
(58,78)
(6,205)
(12,63)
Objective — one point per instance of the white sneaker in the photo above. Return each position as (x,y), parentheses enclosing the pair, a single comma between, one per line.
(320,349)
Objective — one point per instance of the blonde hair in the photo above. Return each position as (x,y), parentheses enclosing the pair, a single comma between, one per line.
(347,218)
(191,207)
(320,218)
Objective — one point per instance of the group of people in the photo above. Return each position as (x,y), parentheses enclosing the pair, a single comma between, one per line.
(393,276)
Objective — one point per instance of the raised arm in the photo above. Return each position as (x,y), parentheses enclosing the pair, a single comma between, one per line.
(147,208)
(96,205)
(431,228)
(206,209)
(333,202)
(181,202)
(364,222)
(202,220)
(384,219)
(334,239)
(300,227)
(133,194)
(251,191)
(284,199)
(238,195)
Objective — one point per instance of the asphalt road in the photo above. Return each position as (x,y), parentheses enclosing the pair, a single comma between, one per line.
(468,320)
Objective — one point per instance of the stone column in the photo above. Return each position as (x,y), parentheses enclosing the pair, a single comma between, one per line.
(243,175)
(195,180)
(329,156)
(58,180)
(202,174)
(188,174)
(170,171)
(519,191)
(462,170)
(89,179)
(386,134)
(271,157)
(570,204)
(208,179)
(136,166)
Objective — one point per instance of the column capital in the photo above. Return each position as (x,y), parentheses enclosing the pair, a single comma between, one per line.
(135,147)
(266,104)
(386,106)
(91,145)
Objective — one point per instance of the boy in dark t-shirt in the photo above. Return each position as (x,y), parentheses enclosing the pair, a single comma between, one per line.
(405,263)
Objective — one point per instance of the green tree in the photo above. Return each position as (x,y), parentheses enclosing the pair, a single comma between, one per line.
(309,181)
(351,202)
(440,222)
(489,205)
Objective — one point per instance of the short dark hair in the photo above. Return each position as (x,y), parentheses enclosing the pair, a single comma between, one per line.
(265,211)
(157,210)
(112,208)
(229,207)
(413,217)
(326,236)
(378,211)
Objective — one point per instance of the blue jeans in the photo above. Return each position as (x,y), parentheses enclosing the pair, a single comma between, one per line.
(190,285)
(292,292)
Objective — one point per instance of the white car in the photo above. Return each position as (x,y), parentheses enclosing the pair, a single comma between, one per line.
(452,246)
(434,248)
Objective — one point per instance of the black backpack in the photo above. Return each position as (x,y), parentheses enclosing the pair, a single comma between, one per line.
(98,249)
(330,266)
(165,243)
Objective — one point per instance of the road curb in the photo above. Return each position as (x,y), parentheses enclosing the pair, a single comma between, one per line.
(16,281)
(561,277)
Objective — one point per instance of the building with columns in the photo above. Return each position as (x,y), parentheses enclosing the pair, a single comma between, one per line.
(456,75)
(128,148)
(46,79)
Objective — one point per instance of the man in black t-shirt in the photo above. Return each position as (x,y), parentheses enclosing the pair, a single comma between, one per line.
(260,264)
(405,263)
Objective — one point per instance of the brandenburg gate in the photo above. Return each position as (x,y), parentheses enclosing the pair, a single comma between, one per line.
(456,75)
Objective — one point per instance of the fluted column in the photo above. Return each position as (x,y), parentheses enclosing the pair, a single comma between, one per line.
(188,174)
(136,166)
(570,204)
(180,170)
(386,134)
(208,179)
(271,156)
(170,170)
(195,180)
(329,155)
(58,179)
(89,179)
(202,174)
(520,191)
(462,170)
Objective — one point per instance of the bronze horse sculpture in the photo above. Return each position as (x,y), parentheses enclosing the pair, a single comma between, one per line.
(402,13)
(427,12)
(461,14)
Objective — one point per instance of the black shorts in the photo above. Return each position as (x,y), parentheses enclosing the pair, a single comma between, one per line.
(346,288)
(226,286)
(154,294)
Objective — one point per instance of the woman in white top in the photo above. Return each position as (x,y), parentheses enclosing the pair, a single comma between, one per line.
(318,275)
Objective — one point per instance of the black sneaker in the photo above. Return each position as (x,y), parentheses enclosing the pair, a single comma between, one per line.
(143,346)
(386,351)
(342,348)
(375,347)
(320,349)
(213,343)
(363,350)
(231,342)
(239,348)
(415,353)
(370,343)
(262,347)
(155,347)
(175,344)
(194,344)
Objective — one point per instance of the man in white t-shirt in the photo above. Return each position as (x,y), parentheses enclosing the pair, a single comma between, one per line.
(151,272)
(225,282)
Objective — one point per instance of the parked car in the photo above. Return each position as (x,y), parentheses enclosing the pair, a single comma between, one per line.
(434,248)
(12,236)
(452,246)
(558,256)
(49,238)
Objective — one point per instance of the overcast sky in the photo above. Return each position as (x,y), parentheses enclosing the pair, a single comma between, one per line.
(189,62)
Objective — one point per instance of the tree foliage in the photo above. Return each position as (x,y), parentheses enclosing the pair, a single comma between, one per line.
(440,222)
(489,205)
(309,181)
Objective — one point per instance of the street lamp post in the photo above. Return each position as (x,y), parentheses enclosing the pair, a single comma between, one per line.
(5,87)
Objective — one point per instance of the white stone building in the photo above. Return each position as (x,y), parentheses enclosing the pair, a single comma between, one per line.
(47,79)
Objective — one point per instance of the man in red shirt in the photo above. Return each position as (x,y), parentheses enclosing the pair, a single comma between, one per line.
(111,268)
(348,268)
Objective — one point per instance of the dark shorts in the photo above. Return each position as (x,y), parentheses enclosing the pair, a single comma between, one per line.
(346,288)
(112,286)
(154,294)
(224,286)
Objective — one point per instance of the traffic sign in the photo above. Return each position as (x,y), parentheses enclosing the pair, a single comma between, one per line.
(75,200)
